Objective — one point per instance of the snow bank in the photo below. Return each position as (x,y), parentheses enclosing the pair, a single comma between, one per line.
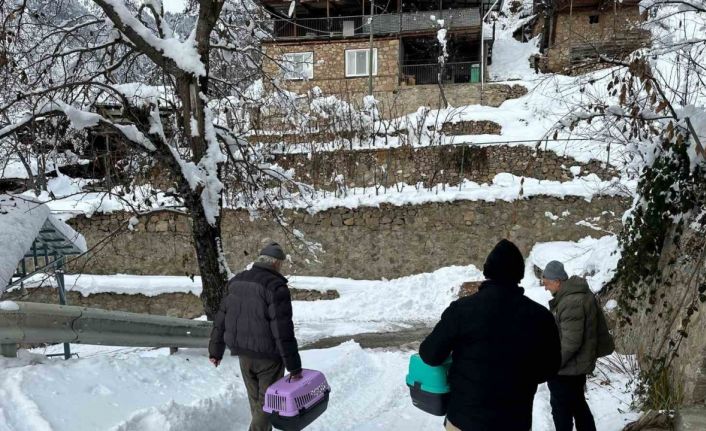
(505,187)
(150,390)
(70,201)
(9,306)
(377,306)
(363,305)
(594,259)
(148,285)
(511,59)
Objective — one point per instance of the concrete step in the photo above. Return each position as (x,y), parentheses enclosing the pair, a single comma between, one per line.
(691,419)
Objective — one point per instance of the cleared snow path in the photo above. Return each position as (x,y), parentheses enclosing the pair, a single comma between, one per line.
(152,391)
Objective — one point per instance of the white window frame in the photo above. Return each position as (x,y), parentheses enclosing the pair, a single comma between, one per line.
(307,71)
(353,53)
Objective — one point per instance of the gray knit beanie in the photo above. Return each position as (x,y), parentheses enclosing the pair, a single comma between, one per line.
(273,250)
(555,271)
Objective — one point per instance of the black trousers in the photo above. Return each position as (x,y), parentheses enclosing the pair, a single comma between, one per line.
(258,375)
(569,404)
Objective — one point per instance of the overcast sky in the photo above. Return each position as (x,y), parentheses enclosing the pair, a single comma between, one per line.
(174,5)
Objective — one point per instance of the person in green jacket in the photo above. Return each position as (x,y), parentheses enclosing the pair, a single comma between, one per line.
(584,338)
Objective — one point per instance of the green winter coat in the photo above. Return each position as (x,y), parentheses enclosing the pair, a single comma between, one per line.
(582,327)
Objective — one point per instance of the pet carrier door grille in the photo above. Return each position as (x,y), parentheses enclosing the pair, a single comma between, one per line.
(276,402)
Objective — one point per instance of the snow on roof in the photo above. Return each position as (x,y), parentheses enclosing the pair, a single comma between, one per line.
(22,220)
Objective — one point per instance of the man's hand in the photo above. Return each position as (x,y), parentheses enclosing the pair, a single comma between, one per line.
(215,362)
(293,377)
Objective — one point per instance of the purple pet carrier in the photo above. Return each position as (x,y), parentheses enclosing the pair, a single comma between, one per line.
(293,405)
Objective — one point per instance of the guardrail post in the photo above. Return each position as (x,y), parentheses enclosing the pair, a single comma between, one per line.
(8,350)
(59,273)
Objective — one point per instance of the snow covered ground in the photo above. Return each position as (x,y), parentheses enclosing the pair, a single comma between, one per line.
(69,201)
(128,389)
(149,390)
(363,305)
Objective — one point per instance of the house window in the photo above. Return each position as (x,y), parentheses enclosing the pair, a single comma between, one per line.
(593,19)
(357,62)
(298,65)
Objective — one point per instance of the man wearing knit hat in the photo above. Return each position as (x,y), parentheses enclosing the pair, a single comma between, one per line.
(502,344)
(255,322)
(584,337)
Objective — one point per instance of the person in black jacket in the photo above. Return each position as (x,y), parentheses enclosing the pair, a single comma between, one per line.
(255,322)
(502,344)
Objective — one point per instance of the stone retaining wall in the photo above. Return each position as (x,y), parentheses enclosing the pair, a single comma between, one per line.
(432,165)
(656,327)
(364,243)
(185,305)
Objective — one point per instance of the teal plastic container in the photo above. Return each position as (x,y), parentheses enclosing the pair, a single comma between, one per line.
(428,386)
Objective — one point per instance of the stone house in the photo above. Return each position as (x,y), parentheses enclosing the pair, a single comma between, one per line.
(327,43)
(577,32)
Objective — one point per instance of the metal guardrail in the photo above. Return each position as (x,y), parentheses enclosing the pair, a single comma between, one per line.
(34,323)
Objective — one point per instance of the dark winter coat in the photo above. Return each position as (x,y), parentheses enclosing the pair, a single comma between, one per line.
(577,314)
(503,345)
(255,318)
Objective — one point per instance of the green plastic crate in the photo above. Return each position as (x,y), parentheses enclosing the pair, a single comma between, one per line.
(428,386)
(430,379)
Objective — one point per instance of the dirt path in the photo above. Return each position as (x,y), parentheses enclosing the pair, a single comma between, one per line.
(408,338)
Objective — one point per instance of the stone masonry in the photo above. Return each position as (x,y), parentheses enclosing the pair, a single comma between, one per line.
(330,66)
(185,305)
(616,33)
(364,243)
(431,165)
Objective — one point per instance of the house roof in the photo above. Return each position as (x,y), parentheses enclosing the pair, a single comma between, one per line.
(23,222)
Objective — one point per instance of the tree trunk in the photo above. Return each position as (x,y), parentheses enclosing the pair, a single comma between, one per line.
(207,242)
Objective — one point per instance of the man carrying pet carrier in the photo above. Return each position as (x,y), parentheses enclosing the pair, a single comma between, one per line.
(502,345)
(255,322)
(584,338)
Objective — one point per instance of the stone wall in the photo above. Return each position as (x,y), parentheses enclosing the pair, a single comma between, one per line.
(616,33)
(330,67)
(409,98)
(395,98)
(432,165)
(364,243)
(656,327)
(185,305)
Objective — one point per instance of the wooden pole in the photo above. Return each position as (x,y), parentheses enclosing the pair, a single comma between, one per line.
(371,51)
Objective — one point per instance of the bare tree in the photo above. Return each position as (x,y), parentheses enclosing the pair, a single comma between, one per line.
(165,87)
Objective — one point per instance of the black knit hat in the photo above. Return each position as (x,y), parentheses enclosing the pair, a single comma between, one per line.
(273,250)
(505,263)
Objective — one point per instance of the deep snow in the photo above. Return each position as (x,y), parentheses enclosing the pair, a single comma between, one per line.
(152,391)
